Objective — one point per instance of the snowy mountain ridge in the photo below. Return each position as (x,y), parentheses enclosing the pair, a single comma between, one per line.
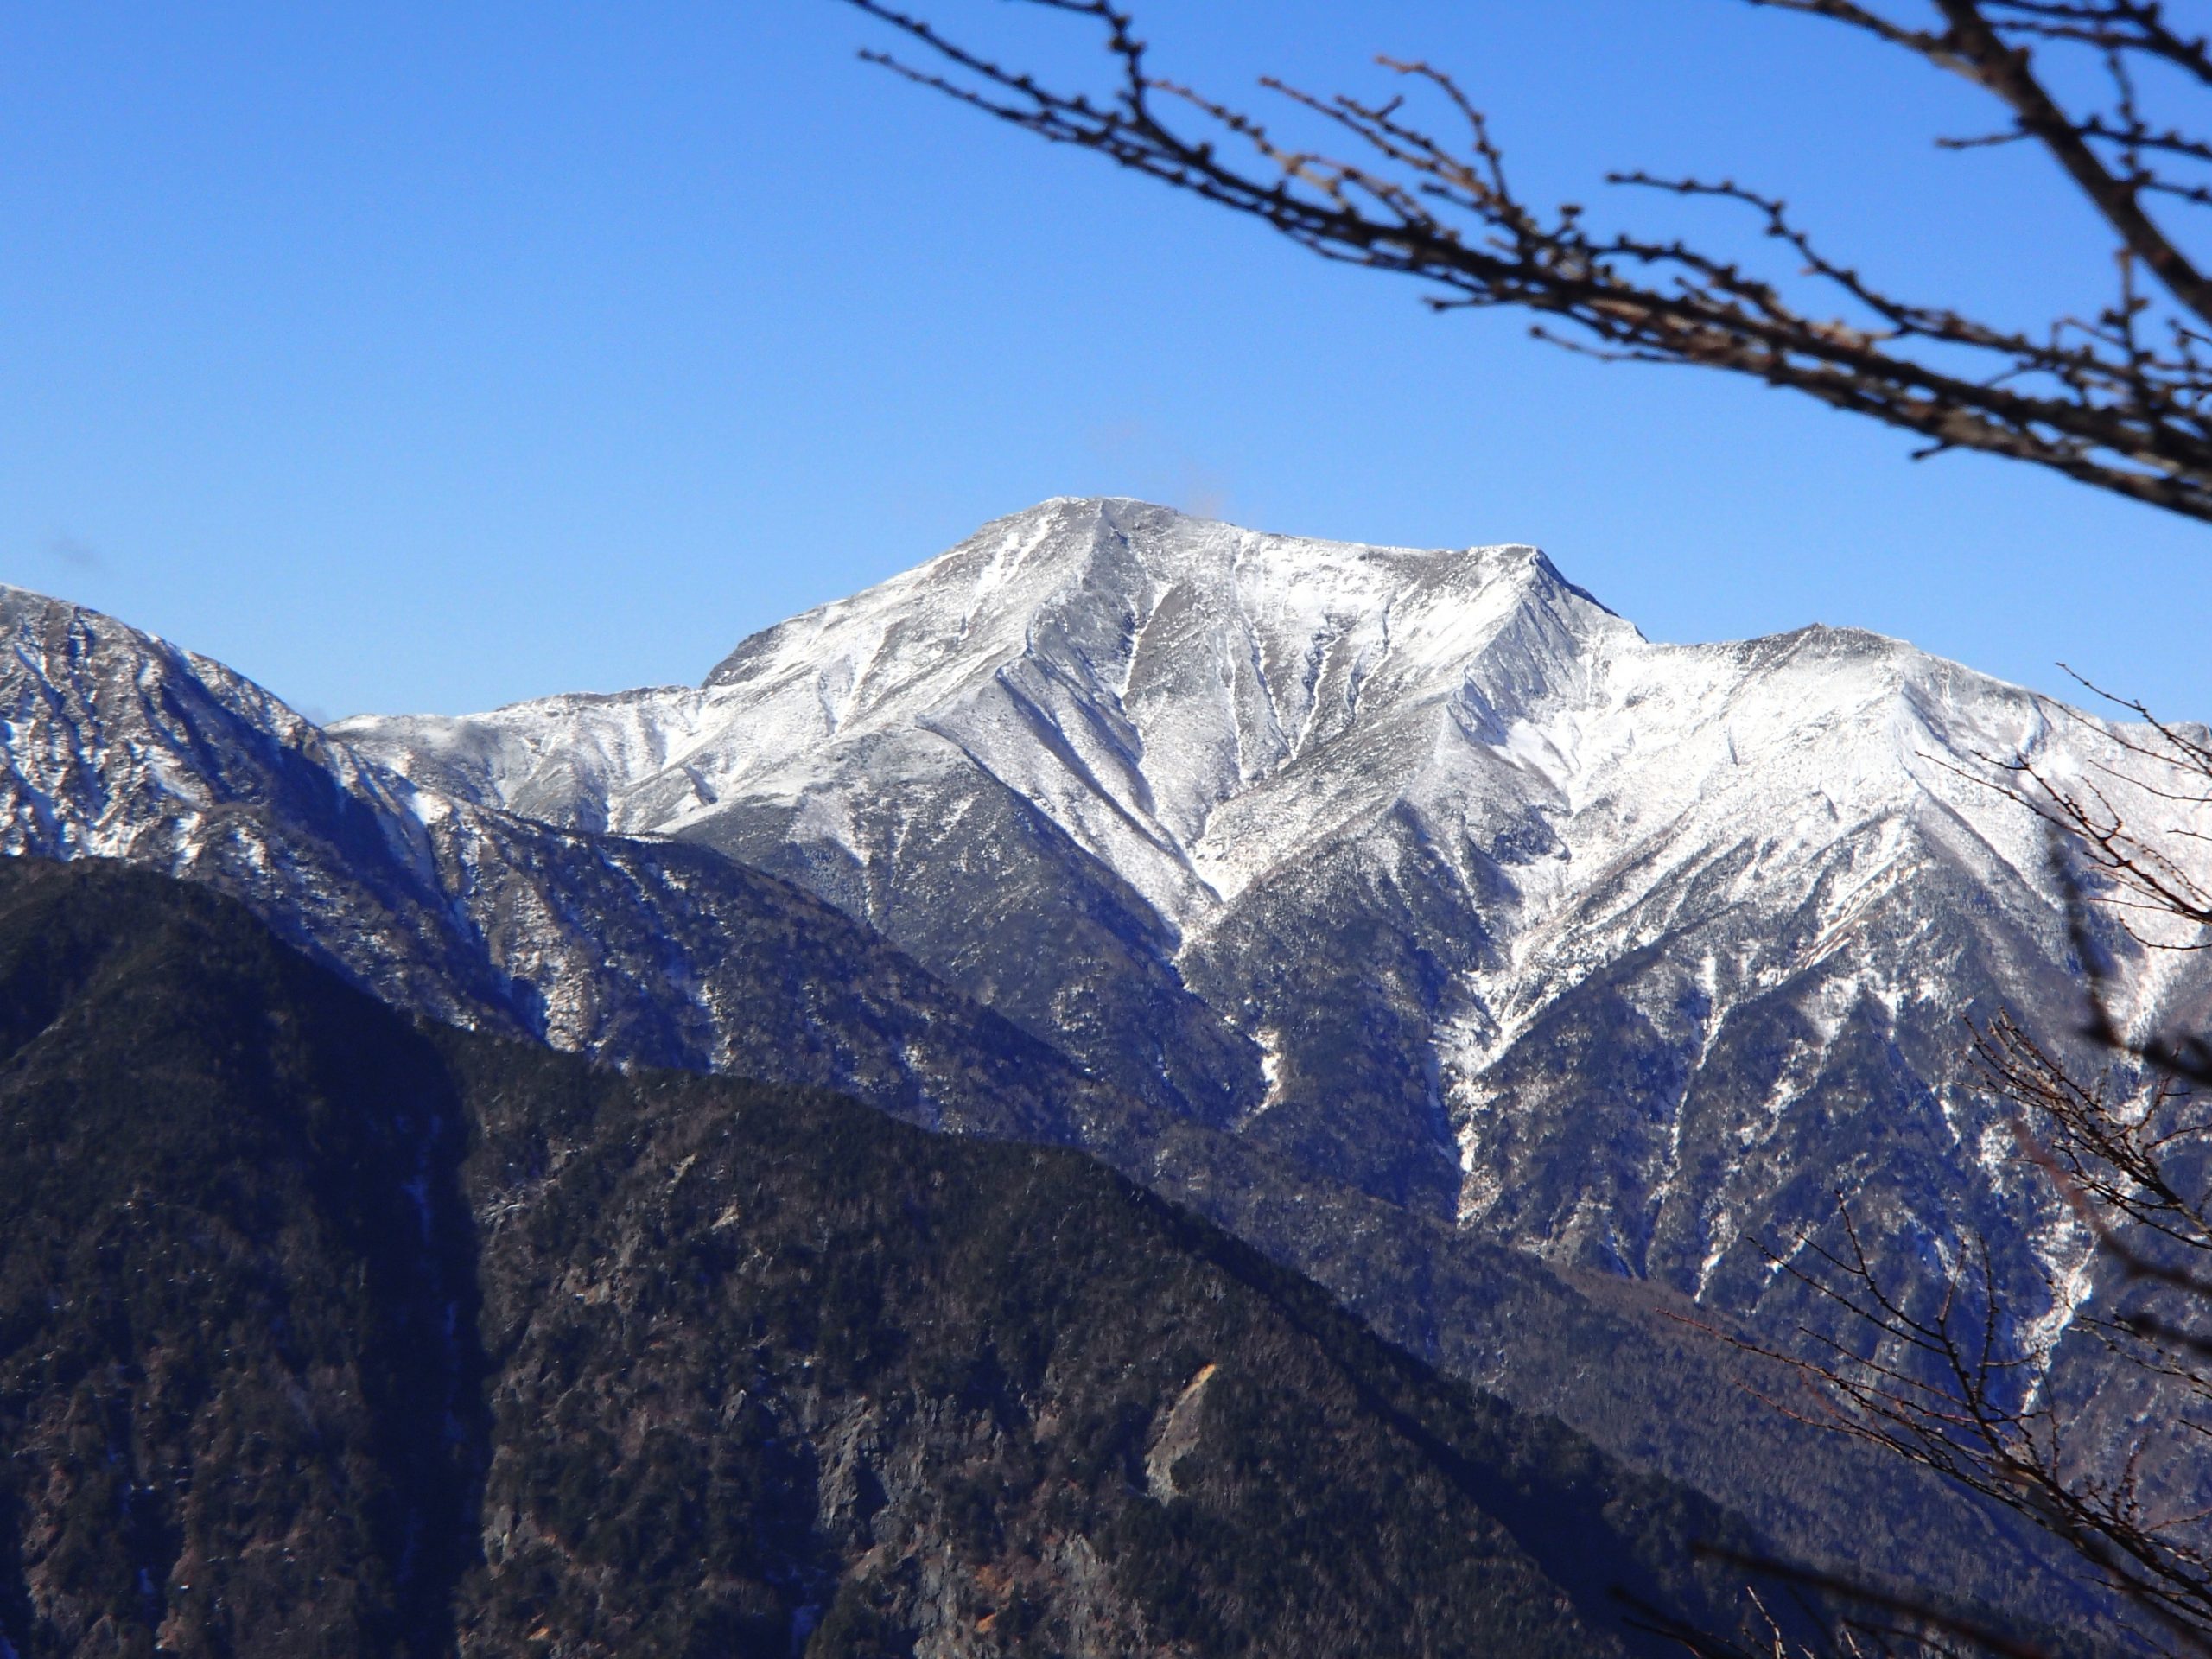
(1074,667)
(116,744)
(1419,870)
(1222,726)
(1196,704)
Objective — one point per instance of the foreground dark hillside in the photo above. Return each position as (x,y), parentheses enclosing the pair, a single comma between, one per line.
(323,1332)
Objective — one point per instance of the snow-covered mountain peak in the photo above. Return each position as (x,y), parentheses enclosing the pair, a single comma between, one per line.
(1127,668)
(1171,725)
(1195,703)
(1099,590)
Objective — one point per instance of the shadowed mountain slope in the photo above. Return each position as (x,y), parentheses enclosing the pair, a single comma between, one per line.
(326,1331)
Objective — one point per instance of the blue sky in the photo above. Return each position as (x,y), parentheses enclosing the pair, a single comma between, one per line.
(436,356)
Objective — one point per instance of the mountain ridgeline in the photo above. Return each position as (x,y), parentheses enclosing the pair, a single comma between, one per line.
(325,1331)
(1421,869)
(1405,913)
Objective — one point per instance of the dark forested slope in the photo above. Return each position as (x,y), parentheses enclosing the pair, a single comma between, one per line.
(324,1331)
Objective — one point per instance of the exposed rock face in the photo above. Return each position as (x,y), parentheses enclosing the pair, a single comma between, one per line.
(324,1331)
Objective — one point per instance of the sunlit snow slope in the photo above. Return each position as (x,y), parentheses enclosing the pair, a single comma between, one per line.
(1420,867)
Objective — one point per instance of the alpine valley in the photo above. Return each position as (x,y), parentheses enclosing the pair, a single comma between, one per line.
(1405,914)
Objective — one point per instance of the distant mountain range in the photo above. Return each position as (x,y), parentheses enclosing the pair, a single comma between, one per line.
(1406,913)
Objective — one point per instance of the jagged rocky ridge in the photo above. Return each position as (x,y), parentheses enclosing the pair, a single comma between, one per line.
(324,1331)
(1003,761)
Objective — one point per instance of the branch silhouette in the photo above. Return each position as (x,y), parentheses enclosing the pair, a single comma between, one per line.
(2116,398)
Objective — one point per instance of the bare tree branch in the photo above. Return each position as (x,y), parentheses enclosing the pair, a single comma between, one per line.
(2120,400)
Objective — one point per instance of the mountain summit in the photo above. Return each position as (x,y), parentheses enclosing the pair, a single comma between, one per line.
(1133,670)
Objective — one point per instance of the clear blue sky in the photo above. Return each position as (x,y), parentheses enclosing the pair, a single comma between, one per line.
(432,356)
